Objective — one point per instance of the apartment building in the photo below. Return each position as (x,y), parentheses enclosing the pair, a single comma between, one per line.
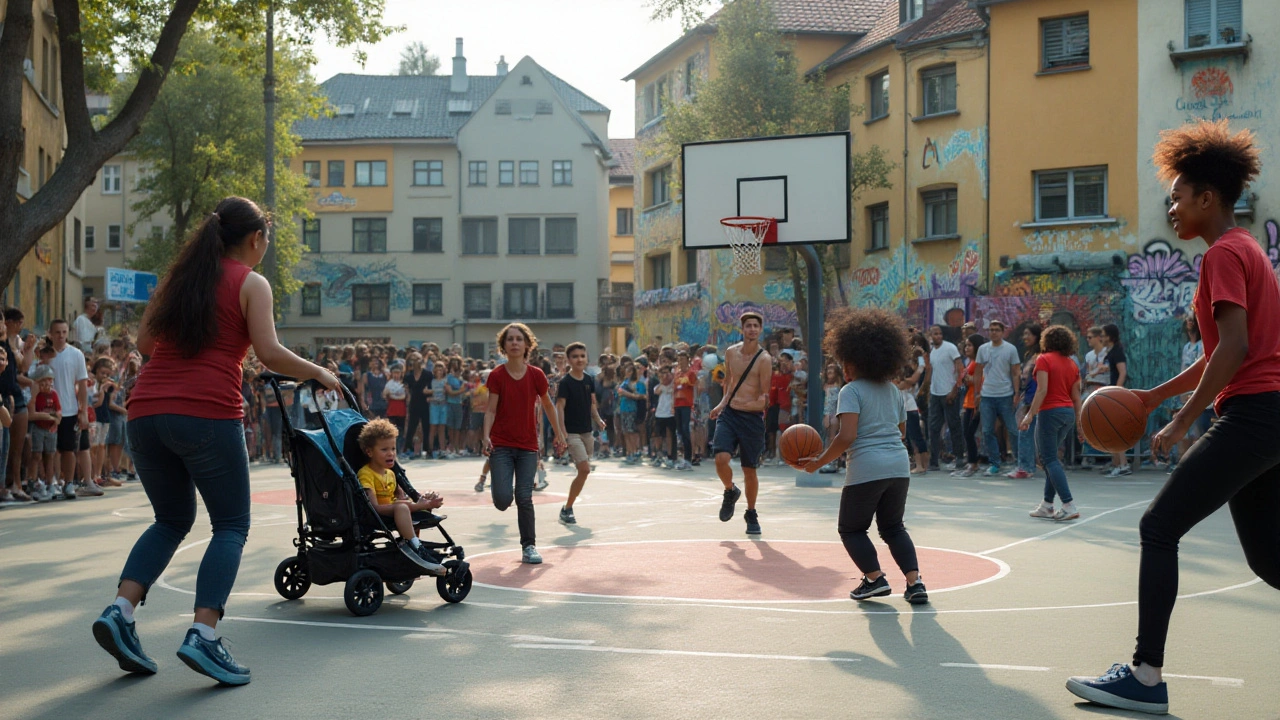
(617,305)
(446,206)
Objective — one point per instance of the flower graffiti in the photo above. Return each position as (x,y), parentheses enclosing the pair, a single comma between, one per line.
(336,279)
(1161,282)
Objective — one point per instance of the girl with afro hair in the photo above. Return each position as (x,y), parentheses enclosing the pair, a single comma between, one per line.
(1237,462)
(871,347)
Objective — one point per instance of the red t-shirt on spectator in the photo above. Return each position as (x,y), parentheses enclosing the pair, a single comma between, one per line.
(684,393)
(780,390)
(396,408)
(515,423)
(1063,373)
(48,403)
(1235,271)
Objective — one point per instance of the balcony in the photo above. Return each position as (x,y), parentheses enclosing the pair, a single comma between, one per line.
(616,308)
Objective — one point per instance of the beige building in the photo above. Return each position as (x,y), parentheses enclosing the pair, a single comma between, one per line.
(617,305)
(446,206)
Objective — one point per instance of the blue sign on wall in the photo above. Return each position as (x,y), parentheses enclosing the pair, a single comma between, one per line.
(130,285)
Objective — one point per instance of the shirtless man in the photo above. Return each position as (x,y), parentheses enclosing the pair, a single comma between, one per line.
(740,417)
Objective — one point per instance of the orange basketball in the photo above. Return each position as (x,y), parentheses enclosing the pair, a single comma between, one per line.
(799,442)
(1113,419)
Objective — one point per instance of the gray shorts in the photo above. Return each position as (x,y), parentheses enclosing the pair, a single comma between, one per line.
(580,446)
(43,441)
(115,434)
(455,416)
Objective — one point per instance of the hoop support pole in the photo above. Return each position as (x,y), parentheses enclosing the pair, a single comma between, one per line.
(813,411)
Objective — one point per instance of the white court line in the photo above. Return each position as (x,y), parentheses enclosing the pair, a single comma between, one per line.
(989,666)
(409,629)
(1064,528)
(688,653)
(1219,681)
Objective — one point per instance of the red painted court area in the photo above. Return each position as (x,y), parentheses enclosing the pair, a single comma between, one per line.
(729,570)
(451,498)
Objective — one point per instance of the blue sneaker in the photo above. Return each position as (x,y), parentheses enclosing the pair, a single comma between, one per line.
(120,638)
(209,657)
(1118,688)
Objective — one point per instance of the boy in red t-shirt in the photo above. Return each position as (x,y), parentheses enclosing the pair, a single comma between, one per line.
(778,417)
(46,412)
(510,436)
(1237,462)
(686,381)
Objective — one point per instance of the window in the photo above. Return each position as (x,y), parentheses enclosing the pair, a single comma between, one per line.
(878,230)
(909,10)
(660,271)
(428,299)
(690,266)
(775,259)
(371,303)
(524,236)
(624,221)
(478,173)
(506,172)
(40,168)
(311,234)
(659,186)
(428,235)
(520,300)
(311,299)
(45,67)
(939,212)
(311,168)
(427,172)
(110,179)
(90,242)
(649,104)
(371,173)
(480,236)
(559,300)
(477,300)
(878,95)
(369,235)
(939,85)
(337,173)
(113,237)
(1064,42)
(660,95)
(1071,194)
(528,172)
(476,350)
(1213,22)
(562,236)
(77,248)
(561,172)
(690,75)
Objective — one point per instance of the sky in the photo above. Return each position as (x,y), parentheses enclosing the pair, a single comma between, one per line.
(591,44)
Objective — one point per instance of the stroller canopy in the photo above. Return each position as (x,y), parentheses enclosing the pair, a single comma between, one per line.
(340,423)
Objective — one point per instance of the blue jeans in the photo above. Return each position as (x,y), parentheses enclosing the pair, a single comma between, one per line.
(176,456)
(1054,425)
(513,471)
(1027,448)
(989,408)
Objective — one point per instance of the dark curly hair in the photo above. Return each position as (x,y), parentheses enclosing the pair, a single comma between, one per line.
(874,341)
(1207,155)
(1059,339)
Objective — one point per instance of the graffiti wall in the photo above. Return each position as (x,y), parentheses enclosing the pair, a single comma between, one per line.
(336,279)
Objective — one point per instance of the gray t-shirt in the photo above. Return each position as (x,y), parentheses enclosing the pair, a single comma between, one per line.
(997,363)
(878,452)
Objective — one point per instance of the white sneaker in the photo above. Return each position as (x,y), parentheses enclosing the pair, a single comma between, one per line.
(542,483)
(1068,511)
(1044,510)
(68,490)
(668,465)
(89,488)
(683,465)
(40,492)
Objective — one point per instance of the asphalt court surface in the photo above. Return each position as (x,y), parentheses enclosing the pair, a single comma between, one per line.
(651,607)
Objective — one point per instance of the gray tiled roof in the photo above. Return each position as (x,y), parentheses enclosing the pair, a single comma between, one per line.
(375,96)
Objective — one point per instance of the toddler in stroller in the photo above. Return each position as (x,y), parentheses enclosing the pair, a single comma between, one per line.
(377,477)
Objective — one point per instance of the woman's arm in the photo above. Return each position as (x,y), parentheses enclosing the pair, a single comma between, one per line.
(1042,388)
(490,412)
(259,313)
(839,444)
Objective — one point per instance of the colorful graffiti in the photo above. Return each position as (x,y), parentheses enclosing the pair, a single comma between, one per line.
(1212,96)
(1161,283)
(689,292)
(898,278)
(1210,82)
(962,143)
(1077,239)
(336,279)
(780,290)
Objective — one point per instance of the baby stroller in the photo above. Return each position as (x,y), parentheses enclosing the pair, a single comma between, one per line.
(341,537)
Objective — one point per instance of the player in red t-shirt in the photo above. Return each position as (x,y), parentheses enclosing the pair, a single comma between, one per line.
(1237,462)
(778,417)
(510,437)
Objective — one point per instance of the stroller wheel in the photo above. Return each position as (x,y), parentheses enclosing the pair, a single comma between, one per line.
(292,579)
(400,588)
(454,586)
(363,594)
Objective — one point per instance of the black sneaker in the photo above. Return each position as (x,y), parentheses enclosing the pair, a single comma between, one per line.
(753,522)
(916,594)
(869,588)
(566,516)
(726,508)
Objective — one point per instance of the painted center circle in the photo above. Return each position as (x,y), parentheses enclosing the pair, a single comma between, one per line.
(452,498)
(724,570)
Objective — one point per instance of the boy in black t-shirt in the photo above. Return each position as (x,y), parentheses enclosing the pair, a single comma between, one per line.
(576,406)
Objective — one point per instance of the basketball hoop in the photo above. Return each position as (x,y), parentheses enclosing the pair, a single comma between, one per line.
(748,236)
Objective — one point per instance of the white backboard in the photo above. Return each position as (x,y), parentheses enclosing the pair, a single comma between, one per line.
(801,180)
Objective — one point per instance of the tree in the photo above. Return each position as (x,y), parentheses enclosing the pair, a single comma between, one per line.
(757,91)
(96,36)
(194,159)
(690,11)
(416,60)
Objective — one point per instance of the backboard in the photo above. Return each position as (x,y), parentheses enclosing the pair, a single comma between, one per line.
(802,180)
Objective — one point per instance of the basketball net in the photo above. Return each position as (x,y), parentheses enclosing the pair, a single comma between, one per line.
(748,236)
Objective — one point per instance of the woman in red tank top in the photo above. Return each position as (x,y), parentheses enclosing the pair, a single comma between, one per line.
(185,427)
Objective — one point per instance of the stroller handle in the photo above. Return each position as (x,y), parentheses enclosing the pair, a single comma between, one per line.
(275,379)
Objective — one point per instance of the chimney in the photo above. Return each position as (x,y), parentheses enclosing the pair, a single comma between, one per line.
(458,83)
(502,65)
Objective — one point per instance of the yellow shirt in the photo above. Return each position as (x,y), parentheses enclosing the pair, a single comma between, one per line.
(382,484)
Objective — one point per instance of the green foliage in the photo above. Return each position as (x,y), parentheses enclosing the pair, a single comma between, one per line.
(204,140)
(690,11)
(415,59)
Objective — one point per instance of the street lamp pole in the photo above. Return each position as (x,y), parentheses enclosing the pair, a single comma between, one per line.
(269,171)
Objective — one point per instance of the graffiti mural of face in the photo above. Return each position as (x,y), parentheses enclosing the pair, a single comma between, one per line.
(1190,210)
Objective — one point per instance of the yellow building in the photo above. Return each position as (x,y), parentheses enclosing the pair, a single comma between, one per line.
(616,306)
(919,77)
(46,285)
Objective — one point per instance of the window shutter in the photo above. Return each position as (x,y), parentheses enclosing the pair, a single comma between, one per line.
(1229,17)
(1199,19)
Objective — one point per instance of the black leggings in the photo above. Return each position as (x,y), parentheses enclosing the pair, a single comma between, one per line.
(1237,462)
(971,425)
(887,501)
(683,415)
(417,417)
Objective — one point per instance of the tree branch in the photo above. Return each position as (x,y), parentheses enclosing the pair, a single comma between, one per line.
(75,108)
